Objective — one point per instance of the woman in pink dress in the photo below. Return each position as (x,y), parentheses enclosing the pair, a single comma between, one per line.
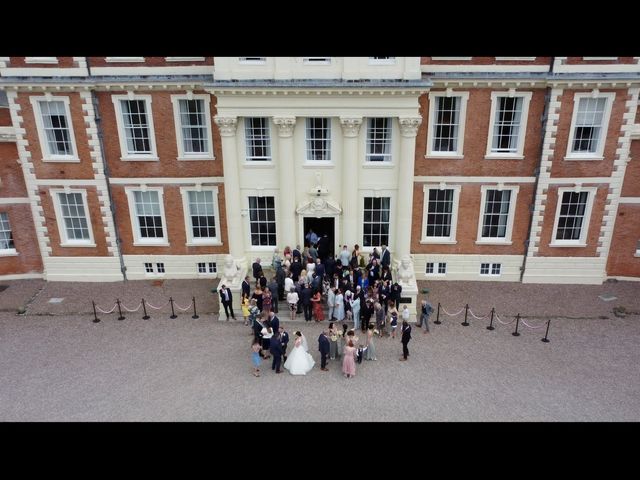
(349,360)
(317,306)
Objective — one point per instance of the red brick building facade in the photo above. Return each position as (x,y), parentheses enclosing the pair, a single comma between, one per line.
(524,168)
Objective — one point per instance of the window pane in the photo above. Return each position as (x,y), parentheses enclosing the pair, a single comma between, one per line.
(507,124)
(376,221)
(258,139)
(6,236)
(262,224)
(194,126)
(439,213)
(588,126)
(318,139)
(496,213)
(74,216)
(136,126)
(379,140)
(56,128)
(446,124)
(203,224)
(147,205)
(571,217)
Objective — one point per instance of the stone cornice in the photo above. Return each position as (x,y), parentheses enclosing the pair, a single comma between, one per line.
(285,125)
(350,126)
(227,125)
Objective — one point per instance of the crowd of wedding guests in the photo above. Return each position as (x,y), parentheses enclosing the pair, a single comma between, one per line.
(354,289)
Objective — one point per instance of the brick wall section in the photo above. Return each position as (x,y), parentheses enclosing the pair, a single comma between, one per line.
(587,168)
(175,225)
(594,225)
(59,170)
(621,261)
(5,117)
(165,135)
(148,62)
(467,228)
(28,259)
(485,61)
(63,62)
(581,61)
(100,250)
(631,184)
(475,140)
(11,172)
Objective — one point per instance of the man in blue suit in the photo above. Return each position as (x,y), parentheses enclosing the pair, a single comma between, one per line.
(274,321)
(323,346)
(385,260)
(284,340)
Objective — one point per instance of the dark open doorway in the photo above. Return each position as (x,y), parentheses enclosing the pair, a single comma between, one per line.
(321,226)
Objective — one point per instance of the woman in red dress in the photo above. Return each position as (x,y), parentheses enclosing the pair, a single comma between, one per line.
(317,306)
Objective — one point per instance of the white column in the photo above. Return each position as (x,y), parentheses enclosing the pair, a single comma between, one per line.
(404,208)
(404,203)
(227,126)
(288,198)
(350,168)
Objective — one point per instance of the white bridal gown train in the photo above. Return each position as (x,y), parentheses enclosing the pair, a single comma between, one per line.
(299,362)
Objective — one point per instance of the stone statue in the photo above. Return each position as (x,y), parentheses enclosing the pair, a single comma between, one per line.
(405,271)
(231,271)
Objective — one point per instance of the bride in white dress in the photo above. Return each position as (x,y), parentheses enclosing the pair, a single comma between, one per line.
(299,361)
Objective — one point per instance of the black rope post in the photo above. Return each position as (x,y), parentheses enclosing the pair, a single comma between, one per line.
(516,334)
(119,310)
(173,314)
(144,308)
(195,313)
(466,310)
(491,327)
(96,319)
(438,322)
(545,339)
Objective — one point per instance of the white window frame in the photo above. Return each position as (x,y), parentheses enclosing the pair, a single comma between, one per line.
(382,61)
(42,60)
(126,156)
(517,59)
(182,155)
(207,269)
(138,241)
(184,59)
(376,194)
(599,58)
(308,161)
(480,240)
(459,153)
(582,241)
(252,60)
(191,240)
(519,153)
(124,59)
(599,153)
(7,252)
(454,214)
(436,269)
(62,230)
(388,161)
(47,156)
(637,254)
(316,60)
(247,160)
(491,268)
(261,194)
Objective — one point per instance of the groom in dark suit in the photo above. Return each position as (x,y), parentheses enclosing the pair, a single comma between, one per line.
(323,346)
(275,347)
(284,340)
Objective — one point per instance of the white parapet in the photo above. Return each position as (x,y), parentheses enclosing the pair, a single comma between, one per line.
(574,270)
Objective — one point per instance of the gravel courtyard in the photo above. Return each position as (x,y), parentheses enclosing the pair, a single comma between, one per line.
(66,368)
